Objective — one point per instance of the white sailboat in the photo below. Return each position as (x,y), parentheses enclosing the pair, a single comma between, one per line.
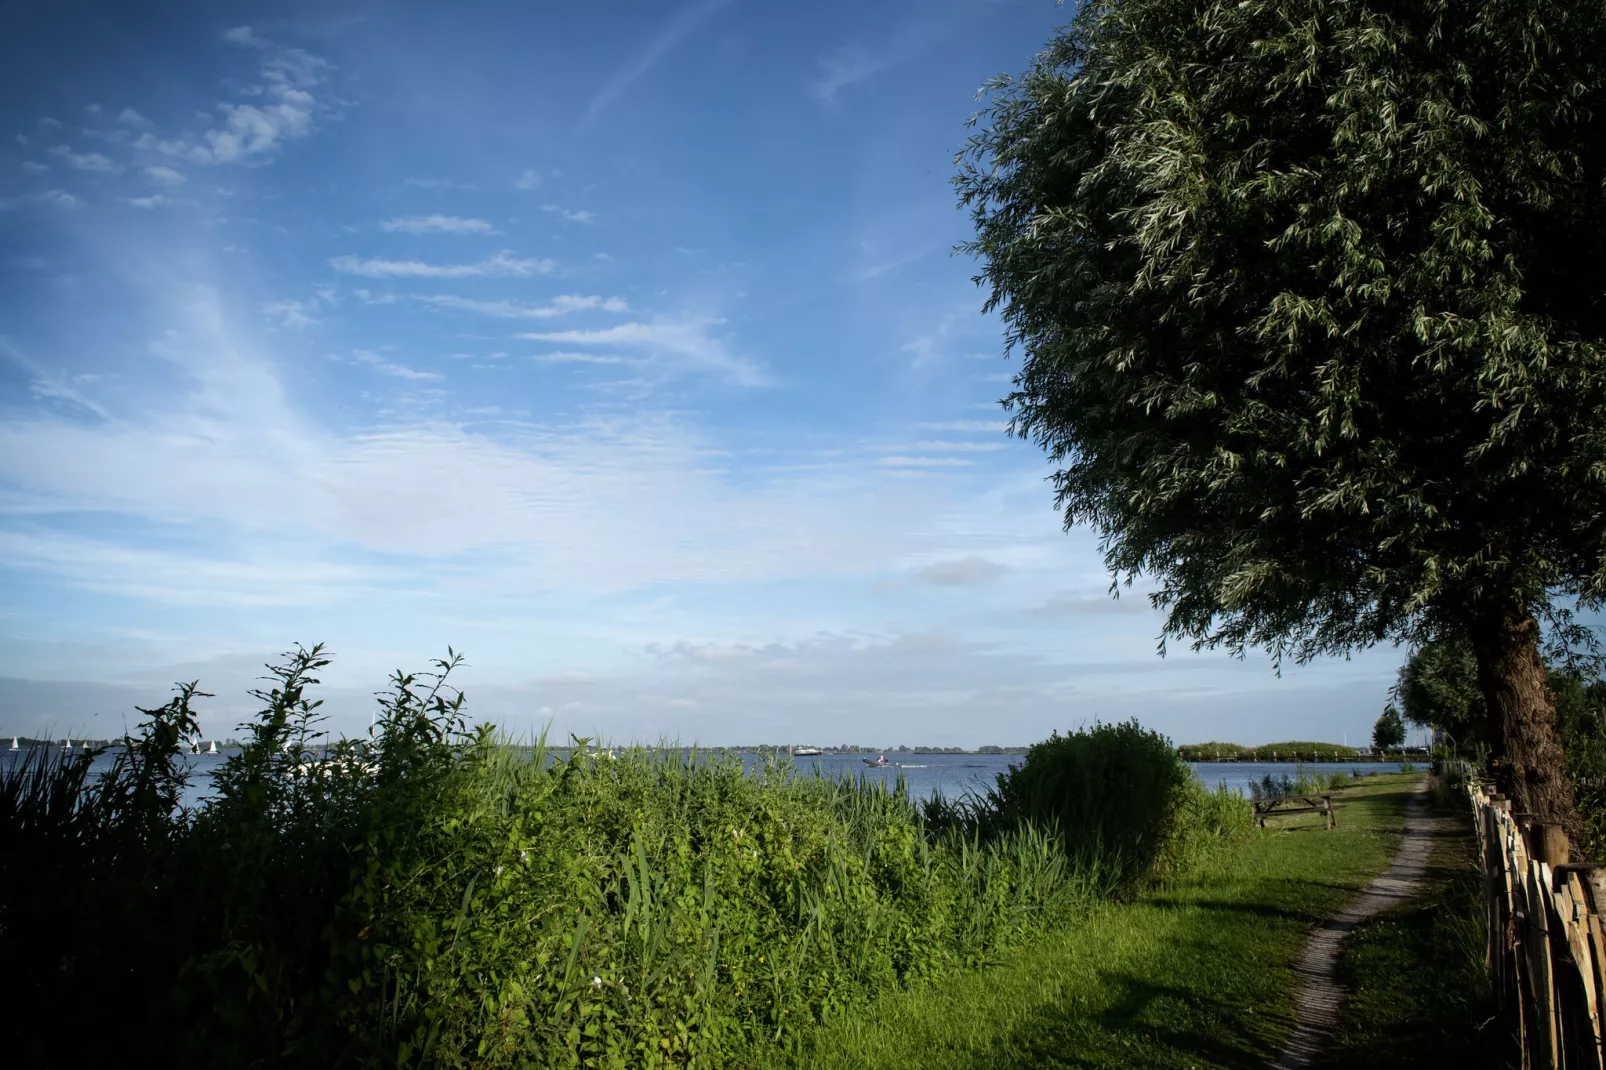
(68,744)
(13,742)
(212,748)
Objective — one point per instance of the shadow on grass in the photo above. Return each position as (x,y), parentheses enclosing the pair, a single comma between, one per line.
(1233,1019)
(1148,1025)
(1221,993)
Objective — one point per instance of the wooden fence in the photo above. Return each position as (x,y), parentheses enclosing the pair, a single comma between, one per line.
(1547,948)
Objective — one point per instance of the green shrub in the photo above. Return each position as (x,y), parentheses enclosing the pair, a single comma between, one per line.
(1116,794)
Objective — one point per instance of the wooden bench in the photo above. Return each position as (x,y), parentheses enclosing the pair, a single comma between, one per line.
(1278,805)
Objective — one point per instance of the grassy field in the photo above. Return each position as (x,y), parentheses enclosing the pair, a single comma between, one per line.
(1196,975)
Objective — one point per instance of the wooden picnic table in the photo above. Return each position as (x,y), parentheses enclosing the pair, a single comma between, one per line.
(1316,803)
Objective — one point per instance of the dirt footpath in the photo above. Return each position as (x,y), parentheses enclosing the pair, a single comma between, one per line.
(1321,997)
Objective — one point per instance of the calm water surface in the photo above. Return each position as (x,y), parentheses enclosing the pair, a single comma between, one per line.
(948,775)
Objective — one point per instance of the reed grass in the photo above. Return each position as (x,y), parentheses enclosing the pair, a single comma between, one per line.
(432,895)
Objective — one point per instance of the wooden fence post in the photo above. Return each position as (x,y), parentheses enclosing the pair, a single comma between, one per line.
(1550,844)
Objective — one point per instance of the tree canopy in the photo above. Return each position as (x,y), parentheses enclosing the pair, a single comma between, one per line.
(1311,296)
(1389,731)
(1438,688)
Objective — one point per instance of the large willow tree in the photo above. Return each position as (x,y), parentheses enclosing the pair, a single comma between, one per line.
(1311,297)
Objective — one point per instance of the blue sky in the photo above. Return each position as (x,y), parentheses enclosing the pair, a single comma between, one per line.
(621,348)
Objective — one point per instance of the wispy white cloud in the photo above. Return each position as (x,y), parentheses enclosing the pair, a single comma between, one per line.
(673,32)
(924,462)
(965,425)
(184,577)
(246,37)
(130,117)
(293,314)
(85,161)
(389,367)
(587,504)
(581,216)
(503,263)
(686,342)
(281,107)
(561,305)
(165,175)
(44,383)
(529,179)
(877,268)
(570,357)
(60,198)
(953,446)
(437,224)
(155,200)
(854,63)
(847,66)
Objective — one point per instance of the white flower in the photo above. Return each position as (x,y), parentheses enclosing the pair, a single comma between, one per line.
(596,982)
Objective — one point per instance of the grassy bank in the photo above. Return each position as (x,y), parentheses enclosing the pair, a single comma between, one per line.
(1196,974)
(431,896)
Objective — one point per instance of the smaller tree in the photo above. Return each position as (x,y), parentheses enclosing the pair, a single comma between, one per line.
(1389,732)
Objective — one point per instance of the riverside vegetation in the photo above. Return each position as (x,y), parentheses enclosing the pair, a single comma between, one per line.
(434,896)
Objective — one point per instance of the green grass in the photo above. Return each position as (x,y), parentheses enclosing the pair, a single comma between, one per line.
(1196,975)
(1419,994)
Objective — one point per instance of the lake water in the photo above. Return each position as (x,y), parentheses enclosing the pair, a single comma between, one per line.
(948,775)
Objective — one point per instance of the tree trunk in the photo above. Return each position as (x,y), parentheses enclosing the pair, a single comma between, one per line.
(1523,717)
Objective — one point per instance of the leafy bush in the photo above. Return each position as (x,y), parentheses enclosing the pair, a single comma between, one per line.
(1117,795)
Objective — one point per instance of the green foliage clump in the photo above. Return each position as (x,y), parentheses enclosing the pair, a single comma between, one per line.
(1389,731)
(1309,295)
(1581,724)
(435,896)
(1438,688)
(1286,751)
(1306,292)
(1118,796)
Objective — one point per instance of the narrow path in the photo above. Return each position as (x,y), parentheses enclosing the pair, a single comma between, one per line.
(1320,994)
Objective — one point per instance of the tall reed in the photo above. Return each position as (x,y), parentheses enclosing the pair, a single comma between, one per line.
(432,895)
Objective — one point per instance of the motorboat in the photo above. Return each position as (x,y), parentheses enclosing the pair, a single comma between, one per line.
(878,762)
(806,752)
